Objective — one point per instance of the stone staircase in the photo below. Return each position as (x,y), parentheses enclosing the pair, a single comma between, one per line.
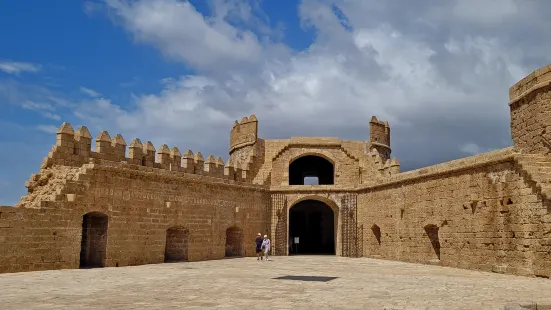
(280,153)
(263,174)
(537,170)
(347,152)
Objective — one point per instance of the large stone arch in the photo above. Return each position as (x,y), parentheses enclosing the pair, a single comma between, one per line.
(319,153)
(336,218)
(330,201)
(311,163)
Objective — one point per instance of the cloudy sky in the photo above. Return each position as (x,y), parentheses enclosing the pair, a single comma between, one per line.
(180,72)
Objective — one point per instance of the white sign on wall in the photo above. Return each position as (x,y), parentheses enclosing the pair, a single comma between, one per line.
(296,240)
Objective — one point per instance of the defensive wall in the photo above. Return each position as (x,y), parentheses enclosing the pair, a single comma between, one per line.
(489,212)
(106,208)
(150,207)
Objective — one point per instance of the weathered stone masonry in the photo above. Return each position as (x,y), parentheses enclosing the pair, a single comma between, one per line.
(117,207)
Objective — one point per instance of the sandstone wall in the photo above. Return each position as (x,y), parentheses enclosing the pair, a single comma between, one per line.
(346,165)
(271,148)
(141,204)
(371,167)
(37,239)
(475,213)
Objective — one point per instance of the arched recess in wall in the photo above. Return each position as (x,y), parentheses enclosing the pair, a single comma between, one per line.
(93,247)
(234,242)
(177,244)
(311,169)
(432,233)
(376,233)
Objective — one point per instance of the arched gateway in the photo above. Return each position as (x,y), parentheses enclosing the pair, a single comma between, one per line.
(313,224)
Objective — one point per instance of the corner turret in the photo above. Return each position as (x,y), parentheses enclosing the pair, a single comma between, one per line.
(379,138)
(244,133)
(529,106)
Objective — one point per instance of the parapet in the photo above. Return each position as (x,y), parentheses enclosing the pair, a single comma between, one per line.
(244,133)
(538,79)
(75,149)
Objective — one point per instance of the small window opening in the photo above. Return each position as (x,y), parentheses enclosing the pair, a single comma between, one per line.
(311,181)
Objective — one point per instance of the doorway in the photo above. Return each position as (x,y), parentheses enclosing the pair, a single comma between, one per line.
(313,223)
(176,246)
(94,240)
(234,242)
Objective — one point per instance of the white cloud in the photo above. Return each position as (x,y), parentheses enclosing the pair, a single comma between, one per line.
(180,32)
(14,67)
(51,116)
(90,92)
(31,105)
(47,128)
(36,98)
(438,86)
(473,149)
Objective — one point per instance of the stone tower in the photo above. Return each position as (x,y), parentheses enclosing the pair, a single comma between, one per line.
(379,137)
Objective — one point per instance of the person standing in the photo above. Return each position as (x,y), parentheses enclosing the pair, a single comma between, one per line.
(266,246)
(258,241)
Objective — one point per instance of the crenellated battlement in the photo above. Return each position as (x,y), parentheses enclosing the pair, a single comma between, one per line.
(386,168)
(74,149)
(244,133)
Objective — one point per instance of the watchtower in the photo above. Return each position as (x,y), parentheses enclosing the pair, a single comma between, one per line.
(379,137)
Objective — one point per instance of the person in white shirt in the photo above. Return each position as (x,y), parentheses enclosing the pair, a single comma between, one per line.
(266,246)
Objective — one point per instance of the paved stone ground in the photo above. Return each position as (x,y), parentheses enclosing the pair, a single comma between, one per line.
(244,283)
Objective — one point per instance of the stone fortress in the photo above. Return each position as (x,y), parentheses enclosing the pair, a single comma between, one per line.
(121,205)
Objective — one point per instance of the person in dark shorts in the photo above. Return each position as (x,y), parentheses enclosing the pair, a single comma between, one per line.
(258,242)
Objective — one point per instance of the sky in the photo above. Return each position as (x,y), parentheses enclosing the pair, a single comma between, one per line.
(180,72)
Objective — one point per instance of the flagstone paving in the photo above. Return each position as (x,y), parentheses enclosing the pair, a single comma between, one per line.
(244,283)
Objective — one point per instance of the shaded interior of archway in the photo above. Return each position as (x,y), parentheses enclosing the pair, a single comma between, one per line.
(234,242)
(313,222)
(311,166)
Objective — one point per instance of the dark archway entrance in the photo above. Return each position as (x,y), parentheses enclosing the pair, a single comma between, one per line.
(311,167)
(313,222)
(94,240)
(234,242)
(176,246)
